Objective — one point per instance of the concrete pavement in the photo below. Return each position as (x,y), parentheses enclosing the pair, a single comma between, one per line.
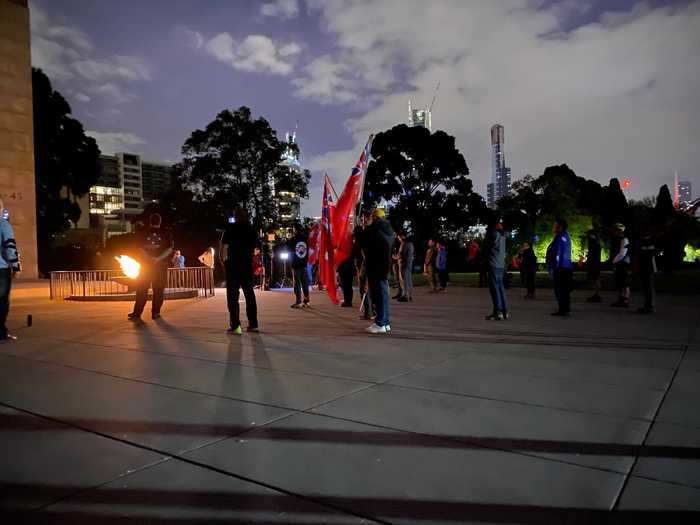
(450,419)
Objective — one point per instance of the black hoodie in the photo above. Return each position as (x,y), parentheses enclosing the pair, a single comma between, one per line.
(376,241)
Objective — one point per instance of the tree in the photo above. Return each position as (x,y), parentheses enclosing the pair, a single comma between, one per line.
(424,178)
(235,161)
(66,163)
(614,204)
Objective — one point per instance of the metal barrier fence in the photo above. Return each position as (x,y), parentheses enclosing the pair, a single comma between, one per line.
(114,285)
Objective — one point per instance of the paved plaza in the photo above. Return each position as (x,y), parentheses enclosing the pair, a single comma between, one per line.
(450,419)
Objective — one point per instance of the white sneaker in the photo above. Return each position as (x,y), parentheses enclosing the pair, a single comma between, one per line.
(376,329)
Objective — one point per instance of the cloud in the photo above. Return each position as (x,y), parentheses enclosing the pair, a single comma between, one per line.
(285,9)
(119,67)
(113,93)
(614,98)
(111,142)
(67,56)
(195,38)
(255,53)
(326,81)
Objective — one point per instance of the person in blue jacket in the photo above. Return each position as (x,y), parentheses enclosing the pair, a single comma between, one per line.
(441,265)
(9,266)
(561,268)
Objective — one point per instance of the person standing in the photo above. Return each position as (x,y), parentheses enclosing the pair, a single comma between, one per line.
(178,260)
(366,310)
(396,269)
(237,253)
(155,247)
(593,264)
(377,242)
(300,258)
(647,269)
(346,271)
(528,268)
(495,253)
(9,266)
(406,256)
(429,265)
(561,268)
(441,265)
(621,264)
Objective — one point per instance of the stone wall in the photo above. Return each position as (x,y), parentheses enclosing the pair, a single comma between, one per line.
(17,182)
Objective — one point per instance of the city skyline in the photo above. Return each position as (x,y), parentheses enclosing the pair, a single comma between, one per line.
(322,64)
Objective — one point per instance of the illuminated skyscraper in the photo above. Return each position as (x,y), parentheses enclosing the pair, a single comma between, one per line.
(500,174)
(420,117)
(685,193)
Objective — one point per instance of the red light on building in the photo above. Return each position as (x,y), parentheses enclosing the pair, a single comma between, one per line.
(626,184)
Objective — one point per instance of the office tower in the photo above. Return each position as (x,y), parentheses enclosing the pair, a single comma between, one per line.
(500,174)
(420,117)
(156,180)
(685,193)
(288,202)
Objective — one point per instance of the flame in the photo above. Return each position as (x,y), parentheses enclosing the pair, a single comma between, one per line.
(130,267)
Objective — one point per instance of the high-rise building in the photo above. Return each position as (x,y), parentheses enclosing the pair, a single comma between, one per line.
(288,202)
(125,184)
(685,193)
(420,117)
(500,174)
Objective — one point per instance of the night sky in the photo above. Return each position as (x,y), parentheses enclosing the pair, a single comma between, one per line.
(608,86)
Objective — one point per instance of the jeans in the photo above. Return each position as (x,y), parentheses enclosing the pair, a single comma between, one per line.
(5,287)
(235,281)
(407,277)
(156,277)
(301,284)
(497,289)
(379,289)
(563,284)
(442,274)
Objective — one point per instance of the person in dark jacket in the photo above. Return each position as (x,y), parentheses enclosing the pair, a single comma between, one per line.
(647,269)
(441,265)
(366,310)
(299,249)
(377,241)
(346,271)
(495,253)
(406,256)
(528,269)
(237,249)
(155,247)
(561,268)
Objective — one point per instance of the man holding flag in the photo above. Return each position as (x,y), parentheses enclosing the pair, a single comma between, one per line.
(326,264)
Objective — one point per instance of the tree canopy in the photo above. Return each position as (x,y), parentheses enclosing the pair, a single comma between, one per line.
(235,161)
(66,162)
(424,178)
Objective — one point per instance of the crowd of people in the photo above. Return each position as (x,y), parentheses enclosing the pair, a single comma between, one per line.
(378,252)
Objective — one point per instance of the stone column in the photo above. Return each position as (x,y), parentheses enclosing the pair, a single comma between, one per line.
(17,181)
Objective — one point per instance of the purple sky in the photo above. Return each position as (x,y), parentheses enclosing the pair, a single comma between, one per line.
(608,86)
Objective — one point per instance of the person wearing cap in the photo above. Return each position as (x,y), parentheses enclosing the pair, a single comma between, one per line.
(621,263)
(496,260)
(561,268)
(9,266)
(377,241)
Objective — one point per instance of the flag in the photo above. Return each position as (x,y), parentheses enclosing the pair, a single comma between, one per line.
(344,213)
(326,265)
(314,237)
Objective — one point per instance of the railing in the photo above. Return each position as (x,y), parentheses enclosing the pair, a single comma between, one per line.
(114,285)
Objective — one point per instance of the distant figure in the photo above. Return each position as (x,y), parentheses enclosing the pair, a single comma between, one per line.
(178,260)
(441,265)
(207,258)
(346,272)
(528,269)
(155,247)
(593,264)
(621,263)
(647,269)
(429,270)
(377,241)
(561,267)
(406,256)
(300,258)
(9,266)
(258,268)
(495,254)
(366,310)
(237,253)
(473,253)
